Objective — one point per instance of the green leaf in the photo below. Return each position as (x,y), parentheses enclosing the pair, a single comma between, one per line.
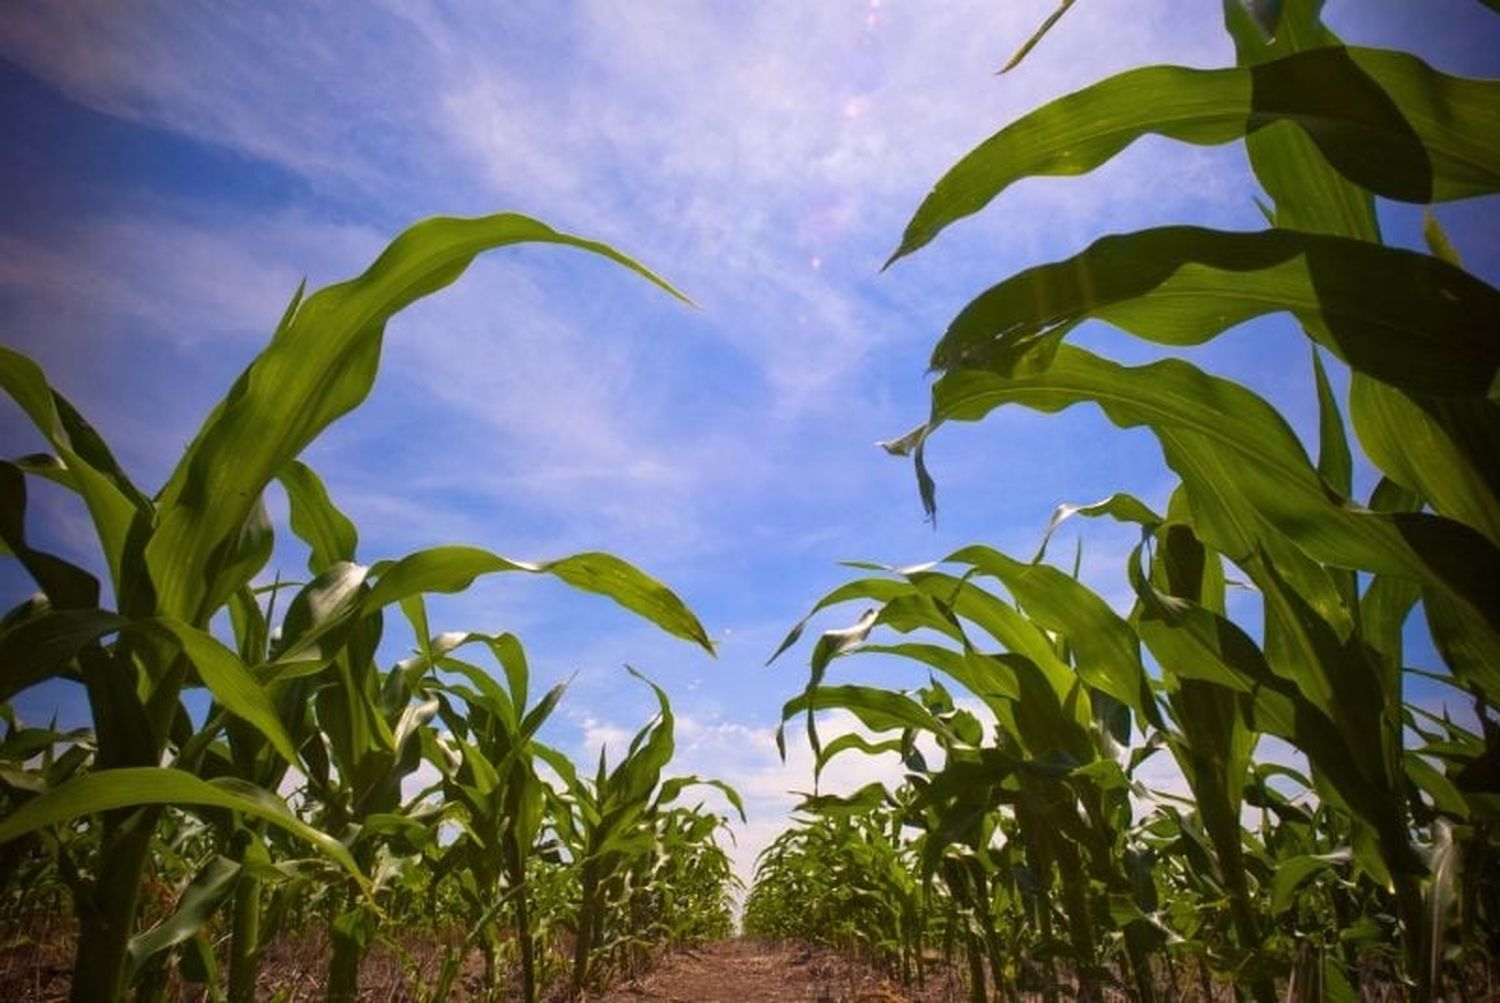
(132,787)
(876,709)
(65,585)
(986,676)
(1335,465)
(1310,195)
(328,533)
(230,681)
(1244,469)
(868,797)
(1385,119)
(857,743)
(202,896)
(113,502)
(320,364)
(637,775)
(1292,872)
(1107,653)
(671,789)
(452,569)
(1119,506)
(41,646)
(1436,238)
(1402,317)
(1446,449)
(1036,36)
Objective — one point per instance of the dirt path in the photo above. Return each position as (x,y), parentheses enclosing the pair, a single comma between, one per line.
(737,971)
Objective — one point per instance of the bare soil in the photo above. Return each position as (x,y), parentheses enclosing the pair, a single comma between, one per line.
(742,971)
(35,967)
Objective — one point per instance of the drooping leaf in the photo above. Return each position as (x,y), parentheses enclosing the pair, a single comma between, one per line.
(1120,506)
(132,787)
(328,533)
(65,584)
(1107,653)
(230,681)
(451,569)
(672,788)
(42,645)
(1244,469)
(1405,318)
(320,364)
(113,501)
(1385,119)
(875,708)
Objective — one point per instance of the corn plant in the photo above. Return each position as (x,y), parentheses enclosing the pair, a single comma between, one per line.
(1327,127)
(488,761)
(176,559)
(611,827)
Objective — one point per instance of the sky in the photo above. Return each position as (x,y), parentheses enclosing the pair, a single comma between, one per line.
(173,170)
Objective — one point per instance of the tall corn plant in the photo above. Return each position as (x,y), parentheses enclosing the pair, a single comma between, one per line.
(1326,127)
(177,558)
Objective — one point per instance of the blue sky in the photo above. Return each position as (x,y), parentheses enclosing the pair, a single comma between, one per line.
(172,171)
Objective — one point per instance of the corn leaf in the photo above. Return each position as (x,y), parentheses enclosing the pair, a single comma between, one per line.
(1244,469)
(320,364)
(1385,119)
(1405,318)
(42,645)
(328,533)
(133,787)
(451,569)
(1107,653)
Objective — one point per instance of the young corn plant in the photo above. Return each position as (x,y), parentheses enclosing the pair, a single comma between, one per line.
(176,559)
(611,828)
(488,761)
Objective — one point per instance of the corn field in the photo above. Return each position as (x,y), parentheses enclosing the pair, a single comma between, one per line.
(1030,850)
(255,768)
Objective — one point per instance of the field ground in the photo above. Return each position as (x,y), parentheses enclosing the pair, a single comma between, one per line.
(35,967)
(740,971)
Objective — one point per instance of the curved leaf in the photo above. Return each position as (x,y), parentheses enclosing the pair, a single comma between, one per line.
(876,709)
(113,501)
(328,533)
(1120,506)
(1385,119)
(64,584)
(230,681)
(451,569)
(1107,652)
(1406,318)
(41,646)
(1292,872)
(320,364)
(132,787)
(670,789)
(1244,469)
